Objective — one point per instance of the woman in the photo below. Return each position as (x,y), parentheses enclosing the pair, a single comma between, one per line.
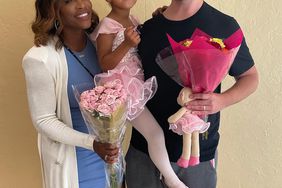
(63,55)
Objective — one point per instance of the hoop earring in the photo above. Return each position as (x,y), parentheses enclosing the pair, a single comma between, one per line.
(56,24)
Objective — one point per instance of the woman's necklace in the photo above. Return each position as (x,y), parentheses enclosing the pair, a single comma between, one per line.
(78,60)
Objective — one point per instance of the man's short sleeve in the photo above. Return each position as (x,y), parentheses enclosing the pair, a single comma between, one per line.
(243,61)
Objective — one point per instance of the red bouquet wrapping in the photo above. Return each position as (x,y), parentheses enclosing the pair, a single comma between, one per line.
(198,64)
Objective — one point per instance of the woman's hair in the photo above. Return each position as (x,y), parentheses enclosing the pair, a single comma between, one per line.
(44,27)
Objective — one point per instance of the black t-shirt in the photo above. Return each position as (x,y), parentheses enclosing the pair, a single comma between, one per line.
(164,104)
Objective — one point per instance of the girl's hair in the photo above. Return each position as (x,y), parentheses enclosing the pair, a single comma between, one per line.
(44,27)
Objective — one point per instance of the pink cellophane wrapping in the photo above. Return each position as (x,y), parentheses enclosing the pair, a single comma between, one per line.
(202,66)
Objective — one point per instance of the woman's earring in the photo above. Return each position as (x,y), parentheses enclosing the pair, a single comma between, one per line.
(56,24)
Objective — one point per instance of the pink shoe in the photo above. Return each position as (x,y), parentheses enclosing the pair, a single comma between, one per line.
(184,163)
(194,161)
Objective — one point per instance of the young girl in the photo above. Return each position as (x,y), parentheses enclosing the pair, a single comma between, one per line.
(116,38)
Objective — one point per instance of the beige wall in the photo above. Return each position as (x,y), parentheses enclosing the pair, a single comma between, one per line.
(250,151)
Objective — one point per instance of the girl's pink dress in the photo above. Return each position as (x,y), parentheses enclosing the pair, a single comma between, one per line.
(129,69)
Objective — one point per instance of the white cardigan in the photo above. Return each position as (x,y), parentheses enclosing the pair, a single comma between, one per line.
(46,76)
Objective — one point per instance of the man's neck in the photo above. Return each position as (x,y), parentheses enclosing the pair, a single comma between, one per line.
(182,9)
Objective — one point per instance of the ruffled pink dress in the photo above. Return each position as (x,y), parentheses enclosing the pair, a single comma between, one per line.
(129,69)
(189,123)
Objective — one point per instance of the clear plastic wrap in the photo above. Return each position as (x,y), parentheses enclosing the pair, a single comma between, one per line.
(104,110)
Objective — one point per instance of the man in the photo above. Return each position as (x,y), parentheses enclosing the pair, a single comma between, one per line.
(179,20)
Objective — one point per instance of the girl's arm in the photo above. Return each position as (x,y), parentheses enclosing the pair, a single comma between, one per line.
(109,59)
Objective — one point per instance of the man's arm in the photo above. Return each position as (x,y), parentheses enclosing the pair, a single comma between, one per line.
(245,85)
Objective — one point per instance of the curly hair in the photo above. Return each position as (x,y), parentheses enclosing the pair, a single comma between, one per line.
(43,26)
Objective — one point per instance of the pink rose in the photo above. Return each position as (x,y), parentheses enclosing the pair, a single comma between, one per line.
(116,93)
(109,91)
(84,104)
(110,99)
(104,109)
(99,89)
(84,94)
(94,98)
(119,87)
(105,98)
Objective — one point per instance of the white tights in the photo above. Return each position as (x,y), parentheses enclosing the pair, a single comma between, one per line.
(146,124)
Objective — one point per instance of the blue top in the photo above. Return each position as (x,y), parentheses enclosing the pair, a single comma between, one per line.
(90,166)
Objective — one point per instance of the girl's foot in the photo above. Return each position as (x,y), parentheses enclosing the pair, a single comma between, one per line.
(178,184)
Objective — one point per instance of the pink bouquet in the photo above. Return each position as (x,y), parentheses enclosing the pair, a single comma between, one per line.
(199,63)
(104,109)
(204,61)
(103,100)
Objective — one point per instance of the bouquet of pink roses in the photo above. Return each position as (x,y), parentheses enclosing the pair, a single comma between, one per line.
(199,63)
(104,109)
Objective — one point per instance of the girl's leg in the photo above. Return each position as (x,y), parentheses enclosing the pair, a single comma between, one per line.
(146,124)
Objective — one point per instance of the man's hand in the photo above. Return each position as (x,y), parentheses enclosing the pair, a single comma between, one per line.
(205,103)
(210,103)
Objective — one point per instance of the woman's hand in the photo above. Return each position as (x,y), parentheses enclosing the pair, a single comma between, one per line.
(107,152)
(205,103)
